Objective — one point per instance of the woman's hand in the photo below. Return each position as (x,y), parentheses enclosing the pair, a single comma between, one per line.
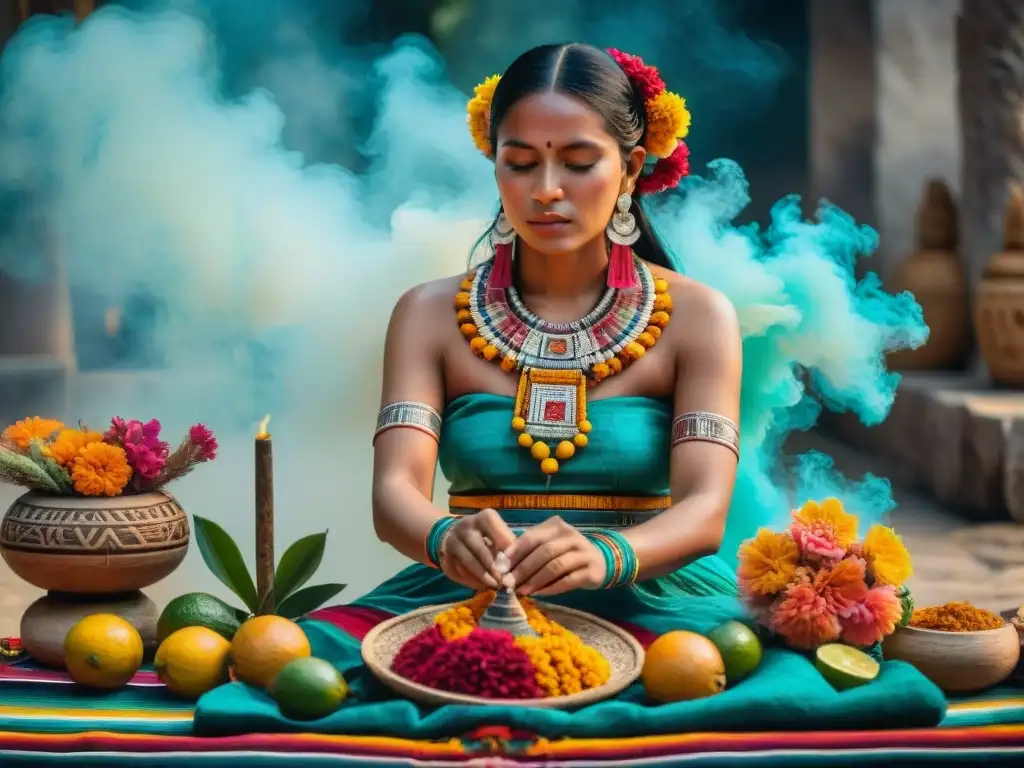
(468,548)
(553,557)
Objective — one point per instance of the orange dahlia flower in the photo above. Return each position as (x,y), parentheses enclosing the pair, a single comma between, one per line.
(100,469)
(69,444)
(23,432)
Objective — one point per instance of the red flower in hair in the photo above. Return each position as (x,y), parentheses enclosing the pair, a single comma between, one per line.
(644,77)
(667,172)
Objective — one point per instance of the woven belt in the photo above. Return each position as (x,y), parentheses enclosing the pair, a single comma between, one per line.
(521,510)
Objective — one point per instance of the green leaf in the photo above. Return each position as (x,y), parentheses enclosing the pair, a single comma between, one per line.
(306,600)
(222,557)
(298,564)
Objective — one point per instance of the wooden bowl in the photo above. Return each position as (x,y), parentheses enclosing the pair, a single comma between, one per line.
(620,648)
(94,545)
(957,662)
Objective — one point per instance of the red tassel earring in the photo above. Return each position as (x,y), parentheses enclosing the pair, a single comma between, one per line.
(622,232)
(503,238)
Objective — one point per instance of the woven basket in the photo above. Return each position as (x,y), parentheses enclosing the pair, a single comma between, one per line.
(620,648)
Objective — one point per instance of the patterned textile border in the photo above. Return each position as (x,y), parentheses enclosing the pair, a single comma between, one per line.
(491,748)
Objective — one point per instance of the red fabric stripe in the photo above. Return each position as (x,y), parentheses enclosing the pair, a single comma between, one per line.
(353,619)
(624,748)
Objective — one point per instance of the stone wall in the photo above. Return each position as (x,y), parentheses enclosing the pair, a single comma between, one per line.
(917,123)
(843,92)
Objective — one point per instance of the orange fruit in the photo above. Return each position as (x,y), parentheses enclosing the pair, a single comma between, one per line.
(192,661)
(263,646)
(102,651)
(680,666)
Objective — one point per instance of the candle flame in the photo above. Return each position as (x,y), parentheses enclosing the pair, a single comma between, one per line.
(263,434)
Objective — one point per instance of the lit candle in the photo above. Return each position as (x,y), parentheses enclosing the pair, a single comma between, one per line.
(264,519)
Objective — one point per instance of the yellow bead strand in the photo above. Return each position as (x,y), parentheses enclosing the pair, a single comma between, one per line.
(565,449)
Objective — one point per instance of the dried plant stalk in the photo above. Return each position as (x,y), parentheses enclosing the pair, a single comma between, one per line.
(180,463)
(18,469)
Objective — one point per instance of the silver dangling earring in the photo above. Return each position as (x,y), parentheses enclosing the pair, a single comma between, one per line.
(622,232)
(502,237)
(502,232)
(622,229)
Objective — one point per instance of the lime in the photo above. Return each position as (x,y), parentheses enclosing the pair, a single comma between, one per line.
(741,650)
(844,666)
(197,609)
(308,689)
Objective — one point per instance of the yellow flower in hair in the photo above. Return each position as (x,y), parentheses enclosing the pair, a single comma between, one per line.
(668,121)
(478,113)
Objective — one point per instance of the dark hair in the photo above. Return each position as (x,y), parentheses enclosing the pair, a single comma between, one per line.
(594,77)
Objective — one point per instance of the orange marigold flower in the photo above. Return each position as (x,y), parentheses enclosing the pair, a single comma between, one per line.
(100,469)
(23,432)
(767,563)
(887,557)
(69,443)
(804,618)
(824,530)
(668,121)
(478,113)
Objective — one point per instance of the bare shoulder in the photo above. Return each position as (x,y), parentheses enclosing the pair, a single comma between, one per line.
(424,307)
(699,307)
(429,298)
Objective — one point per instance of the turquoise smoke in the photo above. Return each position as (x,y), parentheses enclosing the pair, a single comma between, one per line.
(813,336)
(122,131)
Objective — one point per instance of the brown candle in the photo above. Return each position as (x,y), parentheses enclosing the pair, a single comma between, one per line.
(265,519)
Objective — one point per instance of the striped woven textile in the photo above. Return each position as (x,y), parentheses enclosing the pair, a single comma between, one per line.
(960,746)
(45,719)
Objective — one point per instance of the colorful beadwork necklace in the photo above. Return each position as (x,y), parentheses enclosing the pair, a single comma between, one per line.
(556,360)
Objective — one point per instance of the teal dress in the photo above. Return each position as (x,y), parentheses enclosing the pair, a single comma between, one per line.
(628,455)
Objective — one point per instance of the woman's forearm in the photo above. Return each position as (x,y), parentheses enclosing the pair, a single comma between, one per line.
(686,531)
(402,517)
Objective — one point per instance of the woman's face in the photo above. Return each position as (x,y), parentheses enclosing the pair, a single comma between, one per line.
(559,172)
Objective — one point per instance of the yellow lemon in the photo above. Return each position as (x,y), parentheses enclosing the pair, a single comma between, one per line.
(262,647)
(192,661)
(102,651)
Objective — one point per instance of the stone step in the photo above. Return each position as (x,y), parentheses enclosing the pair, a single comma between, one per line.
(954,437)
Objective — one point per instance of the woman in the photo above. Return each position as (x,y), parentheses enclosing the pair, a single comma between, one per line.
(568,133)
(582,398)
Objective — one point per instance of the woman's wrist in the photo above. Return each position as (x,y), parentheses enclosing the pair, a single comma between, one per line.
(621,563)
(436,536)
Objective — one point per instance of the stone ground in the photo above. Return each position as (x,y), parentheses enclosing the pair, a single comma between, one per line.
(955,559)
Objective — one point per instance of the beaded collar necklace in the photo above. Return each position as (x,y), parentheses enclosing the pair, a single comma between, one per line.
(556,360)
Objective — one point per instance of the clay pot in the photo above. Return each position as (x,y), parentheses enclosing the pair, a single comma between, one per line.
(957,662)
(935,275)
(94,546)
(999,310)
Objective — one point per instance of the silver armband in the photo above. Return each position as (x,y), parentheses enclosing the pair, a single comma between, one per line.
(706,427)
(407,413)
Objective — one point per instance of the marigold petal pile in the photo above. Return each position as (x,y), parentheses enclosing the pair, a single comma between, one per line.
(457,656)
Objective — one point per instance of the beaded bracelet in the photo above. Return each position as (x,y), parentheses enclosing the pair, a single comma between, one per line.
(435,537)
(621,563)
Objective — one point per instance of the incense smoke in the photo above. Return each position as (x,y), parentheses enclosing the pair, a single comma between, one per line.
(221,201)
